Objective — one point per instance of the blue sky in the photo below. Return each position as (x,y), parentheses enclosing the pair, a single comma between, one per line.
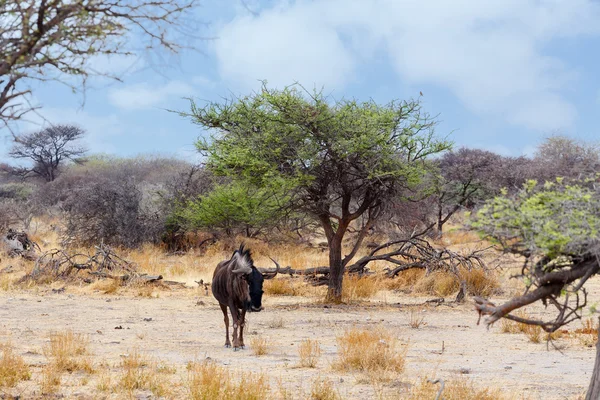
(501,74)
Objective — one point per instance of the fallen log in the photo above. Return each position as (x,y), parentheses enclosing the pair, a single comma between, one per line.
(174,283)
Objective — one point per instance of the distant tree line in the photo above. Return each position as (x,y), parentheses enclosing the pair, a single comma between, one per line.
(130,201)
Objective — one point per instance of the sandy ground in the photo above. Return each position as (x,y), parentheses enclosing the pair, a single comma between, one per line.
(185,325)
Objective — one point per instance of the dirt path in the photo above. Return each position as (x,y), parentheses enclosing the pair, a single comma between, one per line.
(176,329)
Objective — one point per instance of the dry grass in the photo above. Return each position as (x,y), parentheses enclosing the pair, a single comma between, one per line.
(276,323)
(68,351)
(375,352)
(309,352)
(208,381)
(104,383)
(323,389)
(51,380)
(106,286)
(416,319)
(279,287)
(457,236)
(259,346)
(405,279)
(141,373)
(456,389)
(480,282)
(359,288)
(437,283)
(441,283)
(534,333)
(587,335)
(12,367)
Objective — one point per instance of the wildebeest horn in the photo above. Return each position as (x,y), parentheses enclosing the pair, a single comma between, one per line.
(271,275)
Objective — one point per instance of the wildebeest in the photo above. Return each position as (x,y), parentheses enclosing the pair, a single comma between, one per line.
(237,285)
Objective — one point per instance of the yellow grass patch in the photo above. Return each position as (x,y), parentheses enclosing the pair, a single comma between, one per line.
(12,367)
(438,283)
(259,346)
(455,389)
(207,381)
(68,351)
(279,287)
(141,373)
(323,389)
(405,279)
(480,283)
(375,352)
(359,288)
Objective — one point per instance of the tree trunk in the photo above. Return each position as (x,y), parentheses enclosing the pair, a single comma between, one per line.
(440,222)
(336,270)
(593,392)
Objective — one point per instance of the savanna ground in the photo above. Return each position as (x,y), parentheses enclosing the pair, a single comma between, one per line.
(67,340)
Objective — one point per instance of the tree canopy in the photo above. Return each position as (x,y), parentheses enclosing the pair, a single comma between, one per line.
(47,149)
(555,227)
(57,40)
(340,162)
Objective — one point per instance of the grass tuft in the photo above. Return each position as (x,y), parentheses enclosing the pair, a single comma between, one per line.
(12,367)
(374,352)
(207,381)
(259,346)
(309,352)
(481,283)
(141,373)
(323,389)
(68,351)
(416,319)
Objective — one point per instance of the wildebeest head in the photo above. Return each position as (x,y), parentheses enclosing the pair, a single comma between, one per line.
(255,282)
(245,268)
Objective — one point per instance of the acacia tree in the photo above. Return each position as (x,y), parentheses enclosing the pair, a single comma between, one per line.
(337,161)
(556,228)
(47,149)
(56,40)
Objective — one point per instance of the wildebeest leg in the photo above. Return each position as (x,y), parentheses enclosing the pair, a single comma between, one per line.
(242,323)
(226,318)
(235,314)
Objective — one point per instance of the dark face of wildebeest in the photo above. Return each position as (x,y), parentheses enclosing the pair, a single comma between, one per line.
(255,284)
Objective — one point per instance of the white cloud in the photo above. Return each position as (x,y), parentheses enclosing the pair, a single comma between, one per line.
(491,54)
(144,96)
(283,45)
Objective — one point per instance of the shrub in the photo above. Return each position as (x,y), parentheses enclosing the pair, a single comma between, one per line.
(12,367)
